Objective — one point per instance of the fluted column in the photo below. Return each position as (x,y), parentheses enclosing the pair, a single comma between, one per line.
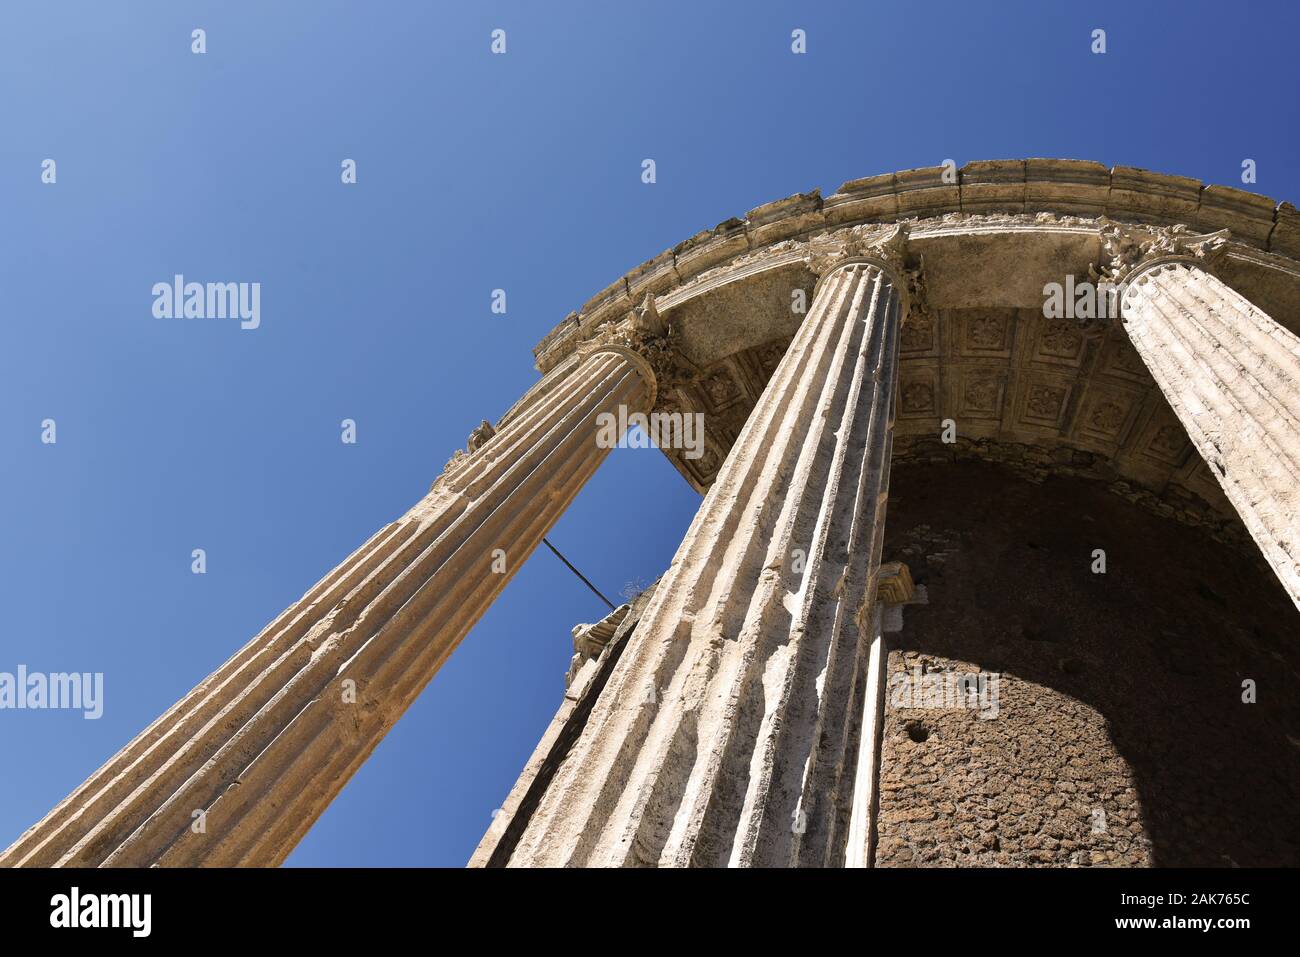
(238,770)
(1232,375)
(725,734)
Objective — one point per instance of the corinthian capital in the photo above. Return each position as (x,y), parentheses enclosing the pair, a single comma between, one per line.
(1127,250)
(647,341)
(886,245)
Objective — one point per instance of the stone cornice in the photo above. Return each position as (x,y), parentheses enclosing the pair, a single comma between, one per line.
(1010,195)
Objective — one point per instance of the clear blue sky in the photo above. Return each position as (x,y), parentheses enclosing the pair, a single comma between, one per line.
(475,172)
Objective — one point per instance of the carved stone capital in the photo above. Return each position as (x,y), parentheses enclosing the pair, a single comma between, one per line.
(646,340)
(886,246)
(1127,250)
(642,338)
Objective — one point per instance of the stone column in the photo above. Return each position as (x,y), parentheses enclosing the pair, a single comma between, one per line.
(726,734)
(238,770)
(1232,375)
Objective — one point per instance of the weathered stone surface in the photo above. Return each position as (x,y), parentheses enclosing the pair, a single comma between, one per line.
(261,747)
(589,640)
(1139,195)
(993,186)
(558,344)
(722,720)
(1248,216)
(923,192)
(1285,238)
(1232,376)
(895,583)
(1120,736)
(1076,187)
(723,735)
(784,218)
(872,199)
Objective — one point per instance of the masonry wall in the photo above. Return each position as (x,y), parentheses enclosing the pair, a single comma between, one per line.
(1120,737)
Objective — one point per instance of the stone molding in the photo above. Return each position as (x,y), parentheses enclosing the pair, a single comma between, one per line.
(1061,188)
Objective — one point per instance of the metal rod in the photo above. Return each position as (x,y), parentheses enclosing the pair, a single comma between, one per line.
(578,573)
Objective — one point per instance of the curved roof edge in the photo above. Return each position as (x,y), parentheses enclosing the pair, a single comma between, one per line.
(1062,186)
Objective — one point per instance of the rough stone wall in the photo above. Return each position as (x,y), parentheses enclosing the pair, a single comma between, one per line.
(1120,736)
(1037,463)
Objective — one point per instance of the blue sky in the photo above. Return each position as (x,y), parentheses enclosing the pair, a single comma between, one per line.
(475,172)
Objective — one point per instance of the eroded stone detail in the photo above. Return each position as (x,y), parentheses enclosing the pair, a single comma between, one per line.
(1232,377)
(918,333)
(1062,340)
(725,737)
(887,245)
(1107,416)
(987,332)
(263,745)
(647,340)
(723,734)
(589,640)
(895,583)
(1045,401)
(1126,248)
(918,396)
(479,437)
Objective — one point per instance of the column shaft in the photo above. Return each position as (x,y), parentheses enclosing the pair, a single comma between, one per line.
(1232,375)
(237,771)
(724,735)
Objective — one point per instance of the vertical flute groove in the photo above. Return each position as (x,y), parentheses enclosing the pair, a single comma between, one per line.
(1231,374)
(751,649)
(260,747)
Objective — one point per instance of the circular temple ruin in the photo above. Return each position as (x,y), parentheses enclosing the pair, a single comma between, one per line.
(997,560)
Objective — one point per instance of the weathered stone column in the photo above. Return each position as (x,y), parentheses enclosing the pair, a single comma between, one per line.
(1232,375)
(725,735)
(237,771)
